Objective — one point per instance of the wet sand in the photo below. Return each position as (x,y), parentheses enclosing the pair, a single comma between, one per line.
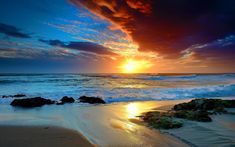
(102,125)
(219,132)
(117,124)
(40,136)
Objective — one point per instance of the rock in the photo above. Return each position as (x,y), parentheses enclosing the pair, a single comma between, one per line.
(91,100)
(31,102)
(198,115)
(184,106)
(228,103)
(195,110)
(219,110)
(200,104)
(66,99)
(161,120)
(19,95)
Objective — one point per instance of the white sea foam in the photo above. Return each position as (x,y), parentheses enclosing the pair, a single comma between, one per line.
(118,87)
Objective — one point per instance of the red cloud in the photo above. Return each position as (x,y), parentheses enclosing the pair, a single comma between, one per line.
(167,26)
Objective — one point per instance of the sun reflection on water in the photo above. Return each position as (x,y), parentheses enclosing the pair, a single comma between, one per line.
(135,109)
(132,110)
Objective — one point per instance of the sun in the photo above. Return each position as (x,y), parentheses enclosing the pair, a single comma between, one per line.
(134,66)
(130,66)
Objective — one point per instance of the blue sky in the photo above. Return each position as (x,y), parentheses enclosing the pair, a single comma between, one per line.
(99,36)
(48,20)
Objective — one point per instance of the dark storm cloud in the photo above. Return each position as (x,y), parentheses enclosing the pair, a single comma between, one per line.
(12,31)
(221,49)
(81,46)
(167,26)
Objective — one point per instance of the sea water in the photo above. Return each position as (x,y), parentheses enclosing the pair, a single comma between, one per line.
(118,87)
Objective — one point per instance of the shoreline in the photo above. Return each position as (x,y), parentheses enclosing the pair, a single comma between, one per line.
(102,125)
(111,124)
(38,136)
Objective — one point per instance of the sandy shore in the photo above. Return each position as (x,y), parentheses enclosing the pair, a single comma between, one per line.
(114,125)
(40,136)
(220,132)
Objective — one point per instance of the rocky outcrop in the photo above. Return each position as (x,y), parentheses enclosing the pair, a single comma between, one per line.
(161,120)
(206,105)
(91,100)
(67,99)
(199,115)
(31,102)
(195,110)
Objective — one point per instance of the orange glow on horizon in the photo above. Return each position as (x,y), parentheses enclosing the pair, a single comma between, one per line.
(135,66)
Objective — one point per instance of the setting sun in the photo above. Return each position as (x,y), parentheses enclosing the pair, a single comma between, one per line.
(130,66)
(135,66)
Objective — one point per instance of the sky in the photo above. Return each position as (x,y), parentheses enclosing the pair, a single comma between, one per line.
(112,36)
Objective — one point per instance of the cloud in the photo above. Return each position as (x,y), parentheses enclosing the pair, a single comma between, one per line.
(80,46)
(167,26)
(26,53)
(12,31)
(219,50)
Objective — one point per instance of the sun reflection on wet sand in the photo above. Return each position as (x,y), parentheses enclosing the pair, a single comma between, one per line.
(132,110)
(135,109)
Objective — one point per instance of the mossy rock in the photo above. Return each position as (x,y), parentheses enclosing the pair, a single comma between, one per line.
(195,110)
(202,116)
(200,104)
(219,110)
(216,105)
(160,120)
(228,103)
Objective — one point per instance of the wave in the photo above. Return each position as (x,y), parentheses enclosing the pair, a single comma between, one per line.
(139,76)
(76,77)
(129,94)
(160,77)
(216,91)
(121,87)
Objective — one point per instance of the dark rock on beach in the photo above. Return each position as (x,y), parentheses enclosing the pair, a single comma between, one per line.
(228,103)
(161,120)
(66,99)
(202,116)
(91,100)
(206,105)
(32,102)
(195,110)
(200,109)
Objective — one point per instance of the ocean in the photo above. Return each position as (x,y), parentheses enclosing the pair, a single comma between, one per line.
(118,87)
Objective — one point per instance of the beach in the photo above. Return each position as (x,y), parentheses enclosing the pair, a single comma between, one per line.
(117,73)
(41,136)
(116,125)
(117,122)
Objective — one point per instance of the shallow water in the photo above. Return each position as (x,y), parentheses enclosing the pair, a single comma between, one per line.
(119,87)
(103,125)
